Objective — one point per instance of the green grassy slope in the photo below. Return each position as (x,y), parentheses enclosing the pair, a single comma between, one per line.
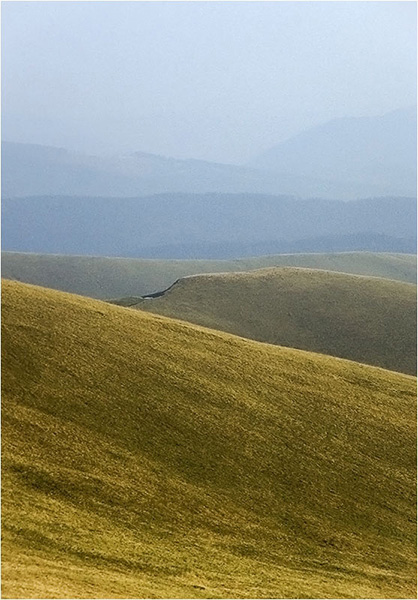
(367,319)
(145,457)
(101,277)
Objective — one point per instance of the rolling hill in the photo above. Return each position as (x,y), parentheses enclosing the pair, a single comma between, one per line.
(144,457)
(205,226)
(106,277)
(367,319)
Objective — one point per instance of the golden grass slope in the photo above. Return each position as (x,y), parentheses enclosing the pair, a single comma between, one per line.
(106,277)
(366,319)
(145,457)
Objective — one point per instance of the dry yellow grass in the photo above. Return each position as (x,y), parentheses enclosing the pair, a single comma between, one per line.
(144,457)
(107,277)
(367,319)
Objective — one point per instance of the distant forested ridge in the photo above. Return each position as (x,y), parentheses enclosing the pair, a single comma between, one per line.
(206,225)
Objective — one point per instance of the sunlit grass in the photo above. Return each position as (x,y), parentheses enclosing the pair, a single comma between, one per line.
(144,457)
(370,320)
(101,277)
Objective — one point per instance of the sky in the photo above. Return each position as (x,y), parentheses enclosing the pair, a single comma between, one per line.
(218,81)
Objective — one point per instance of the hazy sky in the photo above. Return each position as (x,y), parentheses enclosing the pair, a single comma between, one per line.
(219,81)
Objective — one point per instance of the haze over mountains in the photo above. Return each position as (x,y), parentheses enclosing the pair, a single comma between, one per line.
(342,159)
(205,226)
(213,393)
(380,151)
(148,206)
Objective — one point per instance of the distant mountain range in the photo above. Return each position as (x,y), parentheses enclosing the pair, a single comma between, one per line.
(206,225)
(343,159)
(375,151)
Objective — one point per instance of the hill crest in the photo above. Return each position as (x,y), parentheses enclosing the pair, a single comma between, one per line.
(368,319)
(105,277)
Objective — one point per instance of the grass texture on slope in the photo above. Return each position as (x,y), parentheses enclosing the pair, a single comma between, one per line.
(101,277)
(366,319)
(145,457)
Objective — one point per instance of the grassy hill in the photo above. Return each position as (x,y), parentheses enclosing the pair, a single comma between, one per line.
(367,319)
(104,277)
(144,457)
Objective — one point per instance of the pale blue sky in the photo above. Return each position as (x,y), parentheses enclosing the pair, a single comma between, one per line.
(219,81)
